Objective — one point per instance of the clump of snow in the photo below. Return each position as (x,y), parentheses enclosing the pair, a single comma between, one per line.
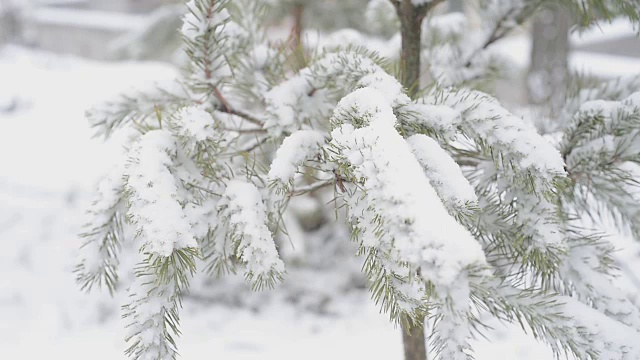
(329,79)
(443,120)
(487,120)
(610,136)
(202,216)
(295,149)
(154,204)
(452,331)
(196,123)
(402,217)
(363,107)
(527,163)
(246,219)
(444,174)
(282,103)
(387,85)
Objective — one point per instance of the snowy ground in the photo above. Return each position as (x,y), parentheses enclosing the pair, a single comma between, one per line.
(48,165)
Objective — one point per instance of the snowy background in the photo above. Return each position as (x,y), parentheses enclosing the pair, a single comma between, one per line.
(49,165)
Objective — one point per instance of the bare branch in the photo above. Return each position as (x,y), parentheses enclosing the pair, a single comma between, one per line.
(246,116)
(246,131)
(311,187)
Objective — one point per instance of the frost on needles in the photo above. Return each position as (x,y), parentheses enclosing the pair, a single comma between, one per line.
(459,209)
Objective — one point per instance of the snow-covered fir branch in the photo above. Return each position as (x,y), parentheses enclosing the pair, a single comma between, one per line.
(459,208)
(138,108)
(154,195)
(298,147)
(601,146)
(164,234)
(444,175)
(307,98)
(394,209)
(103,236)
(586,273)
(522,169)
(244,215)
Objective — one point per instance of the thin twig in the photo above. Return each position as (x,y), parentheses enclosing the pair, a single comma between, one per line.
(222,99)
(246,131)
(311,187)
(253,146)
(500,31)
(250,118)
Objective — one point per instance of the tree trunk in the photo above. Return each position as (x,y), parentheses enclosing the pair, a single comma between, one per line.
(411,17)
(546,82)
(411,31)
(413,341)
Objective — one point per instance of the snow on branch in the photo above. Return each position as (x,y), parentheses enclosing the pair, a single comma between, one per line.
(528,169)
(212,39)
(362,108)
(156,299)
(444,175)
(433,120)
(167,242)
(539,313)
(311,93)
(295,149)
(609,339)
(194,124)
(451,332)
(197,183)
(458,53)
(583,89)
(150,307)
(562,322)
(103,234)
(484,118)
(153,195)
(601,145)
(244,215)
(140,107)
(585,274)
(396,214)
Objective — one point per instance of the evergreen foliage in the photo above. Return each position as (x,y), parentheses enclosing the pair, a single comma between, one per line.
(459,208)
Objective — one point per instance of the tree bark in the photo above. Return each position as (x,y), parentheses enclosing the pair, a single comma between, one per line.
(411,31)
(546,81)
(413,341)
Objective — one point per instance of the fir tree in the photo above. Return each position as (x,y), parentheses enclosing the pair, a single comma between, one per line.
(459,208)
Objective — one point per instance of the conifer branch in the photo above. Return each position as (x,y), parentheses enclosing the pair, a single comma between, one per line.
(458,207)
